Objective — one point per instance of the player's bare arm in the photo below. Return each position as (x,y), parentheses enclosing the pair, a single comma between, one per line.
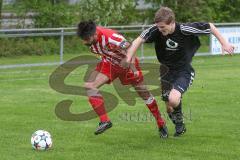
(122,49)
(131,51)
(229,48)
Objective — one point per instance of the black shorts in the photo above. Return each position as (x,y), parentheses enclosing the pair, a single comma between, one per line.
(180,79)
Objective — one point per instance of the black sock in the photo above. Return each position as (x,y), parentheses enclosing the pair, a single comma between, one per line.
(170,115)
(177,116)
(178,113)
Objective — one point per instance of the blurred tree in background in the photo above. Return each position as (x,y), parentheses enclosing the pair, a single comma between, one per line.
(0,11)
(56,13)
(59,13)
(198,10)
(108,12)
(47,13)
(224,10)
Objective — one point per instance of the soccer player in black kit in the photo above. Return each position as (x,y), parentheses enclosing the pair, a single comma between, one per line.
(175,45)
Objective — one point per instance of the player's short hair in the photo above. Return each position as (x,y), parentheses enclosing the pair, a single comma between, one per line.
(86,29)
(164,14)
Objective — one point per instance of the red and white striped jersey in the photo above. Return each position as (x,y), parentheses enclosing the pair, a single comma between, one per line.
(109,45)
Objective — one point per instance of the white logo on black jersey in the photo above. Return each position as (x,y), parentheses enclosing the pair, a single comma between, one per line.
(171,45)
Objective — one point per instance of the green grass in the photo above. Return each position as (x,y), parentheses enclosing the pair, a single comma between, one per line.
(148,51)
(211,108)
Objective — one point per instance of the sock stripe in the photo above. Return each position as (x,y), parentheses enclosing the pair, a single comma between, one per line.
(149,100)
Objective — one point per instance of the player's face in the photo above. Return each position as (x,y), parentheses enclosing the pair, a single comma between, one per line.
(90,40)
(166,29)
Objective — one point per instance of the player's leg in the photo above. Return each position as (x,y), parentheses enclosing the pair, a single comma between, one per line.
(151,103)
(96,80)
(134,77)
(174,110)
(180,85)
(171,96)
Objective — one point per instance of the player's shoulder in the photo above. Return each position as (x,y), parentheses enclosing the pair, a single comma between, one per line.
(189,25)
(195,28)
(152,28)
(106,31)
(149,31)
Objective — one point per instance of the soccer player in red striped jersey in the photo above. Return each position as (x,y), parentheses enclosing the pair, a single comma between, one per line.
(112,47)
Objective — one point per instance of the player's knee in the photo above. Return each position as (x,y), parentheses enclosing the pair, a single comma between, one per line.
(91,89)
(174,98)
(89,85)
(143,92)
(140,88)
(173,101)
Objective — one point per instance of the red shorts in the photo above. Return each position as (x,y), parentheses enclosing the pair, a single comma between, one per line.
(126,76)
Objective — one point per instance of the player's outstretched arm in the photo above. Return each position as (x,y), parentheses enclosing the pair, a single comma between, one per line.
(131,51)
(229,48)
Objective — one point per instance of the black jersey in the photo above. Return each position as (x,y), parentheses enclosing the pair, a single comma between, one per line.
(177,49)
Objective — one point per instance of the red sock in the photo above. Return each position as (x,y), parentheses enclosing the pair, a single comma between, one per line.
(153,107)
(97,103)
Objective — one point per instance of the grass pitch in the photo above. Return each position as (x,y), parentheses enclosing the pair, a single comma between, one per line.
(211,109)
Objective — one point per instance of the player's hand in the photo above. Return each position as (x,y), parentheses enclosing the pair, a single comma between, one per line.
(229,48)
(125,63)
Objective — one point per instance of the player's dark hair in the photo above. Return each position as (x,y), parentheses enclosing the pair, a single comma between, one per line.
(86,29)
(164,14)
